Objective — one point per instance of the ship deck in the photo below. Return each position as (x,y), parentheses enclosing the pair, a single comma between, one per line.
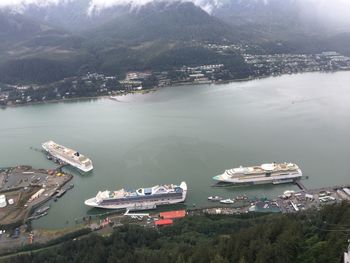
(259,171)
(66,152)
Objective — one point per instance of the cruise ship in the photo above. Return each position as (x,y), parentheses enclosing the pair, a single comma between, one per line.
(140,199)
(275,173)
(68,156)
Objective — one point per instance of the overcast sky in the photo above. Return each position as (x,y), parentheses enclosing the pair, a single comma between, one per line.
(335,10)
(95,5)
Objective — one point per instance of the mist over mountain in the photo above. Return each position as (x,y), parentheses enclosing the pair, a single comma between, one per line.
(262,16)
(176,21)
(113,36)
(73,16)
(332,14)
(17,27)
(35,51)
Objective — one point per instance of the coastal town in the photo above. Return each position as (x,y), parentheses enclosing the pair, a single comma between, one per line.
(92,85)
(26,192)
(288,202)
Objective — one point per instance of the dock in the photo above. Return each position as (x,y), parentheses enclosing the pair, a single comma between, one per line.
(60,167)
(24,189)
(300,185)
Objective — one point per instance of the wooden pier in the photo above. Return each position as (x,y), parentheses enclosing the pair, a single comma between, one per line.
(300,185)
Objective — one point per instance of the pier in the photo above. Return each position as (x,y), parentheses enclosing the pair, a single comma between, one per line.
(24,189)
(60,167)
(300,185)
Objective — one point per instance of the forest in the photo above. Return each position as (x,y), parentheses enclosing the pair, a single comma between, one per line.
(310,236)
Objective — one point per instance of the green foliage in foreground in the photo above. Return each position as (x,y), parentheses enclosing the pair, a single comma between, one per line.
(313,236)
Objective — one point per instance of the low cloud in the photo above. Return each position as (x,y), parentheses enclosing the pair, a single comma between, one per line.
(98,5)
(24,3)
(332,11)
(329,11)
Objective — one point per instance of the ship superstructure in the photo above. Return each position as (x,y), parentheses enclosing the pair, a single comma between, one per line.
(68,156)
(275,173)
(140,199)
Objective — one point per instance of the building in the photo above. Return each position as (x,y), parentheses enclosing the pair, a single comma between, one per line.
(164,222)
(173,214)
(347,254)
(136,75)
(3,201)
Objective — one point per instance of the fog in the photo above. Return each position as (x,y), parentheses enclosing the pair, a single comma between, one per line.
(97,5)
(23,3)
(335,12)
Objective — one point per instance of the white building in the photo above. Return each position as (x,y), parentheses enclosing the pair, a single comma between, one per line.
(3,202)
(347,254)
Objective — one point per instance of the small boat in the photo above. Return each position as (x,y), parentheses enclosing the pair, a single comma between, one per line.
(214,198)
(243,197)
(37,216)
(227,201)
(42,210)
(60,193)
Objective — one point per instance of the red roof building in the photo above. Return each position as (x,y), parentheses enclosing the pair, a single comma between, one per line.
(173,214)
(164,222)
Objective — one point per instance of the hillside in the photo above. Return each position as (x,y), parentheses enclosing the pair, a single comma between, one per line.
(47,43)
(175,21)
(155,36)
(271,20)
(33,51)
(15,27)
(313,236)
(74,16)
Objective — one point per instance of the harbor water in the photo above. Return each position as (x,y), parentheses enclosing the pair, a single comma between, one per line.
(189,133)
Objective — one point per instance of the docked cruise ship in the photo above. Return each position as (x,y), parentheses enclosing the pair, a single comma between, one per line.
(275,173)
(68,156)
(140,199)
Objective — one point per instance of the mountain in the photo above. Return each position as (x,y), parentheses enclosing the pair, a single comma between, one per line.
(74,16)
(15,27)
(33,51)
(158,35)
(155,36)
(269,20)
(176,21)
(43,44)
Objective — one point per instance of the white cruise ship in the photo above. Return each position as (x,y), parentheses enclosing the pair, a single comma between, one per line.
(68,156)
(140,199)
(275,173)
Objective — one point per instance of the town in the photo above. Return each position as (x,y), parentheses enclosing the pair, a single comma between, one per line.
(92,85)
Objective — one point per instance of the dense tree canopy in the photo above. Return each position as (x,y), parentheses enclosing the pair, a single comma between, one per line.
(313,236)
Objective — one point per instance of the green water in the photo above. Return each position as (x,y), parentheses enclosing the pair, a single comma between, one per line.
(189,133)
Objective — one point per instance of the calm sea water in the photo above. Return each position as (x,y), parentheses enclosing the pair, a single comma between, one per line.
(189,133)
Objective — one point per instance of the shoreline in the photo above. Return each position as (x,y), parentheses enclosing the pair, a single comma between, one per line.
(154,89)
(44,236)
(77,99)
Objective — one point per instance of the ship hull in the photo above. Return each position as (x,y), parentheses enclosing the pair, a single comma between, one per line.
(140,202)
(141,205)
